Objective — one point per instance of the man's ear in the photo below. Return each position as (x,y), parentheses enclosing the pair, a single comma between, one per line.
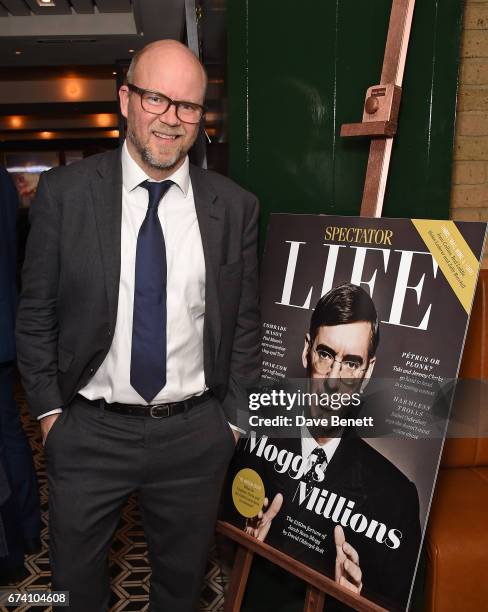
(305,352)
(368,373)
(124,100)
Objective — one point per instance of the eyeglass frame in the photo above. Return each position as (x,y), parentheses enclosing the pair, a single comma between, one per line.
(334,360)
(171,102)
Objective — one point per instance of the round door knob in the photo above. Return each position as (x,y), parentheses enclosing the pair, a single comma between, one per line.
(372,105)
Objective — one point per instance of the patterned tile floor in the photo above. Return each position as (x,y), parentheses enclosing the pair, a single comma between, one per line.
(128,558)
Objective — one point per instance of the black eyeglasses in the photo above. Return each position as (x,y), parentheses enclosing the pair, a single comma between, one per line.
(323,362)
(157,103)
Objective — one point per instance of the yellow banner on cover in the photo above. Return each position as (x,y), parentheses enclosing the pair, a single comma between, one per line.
(453,255)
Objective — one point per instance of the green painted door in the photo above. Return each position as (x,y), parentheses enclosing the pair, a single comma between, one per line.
(300,69)
(297,71)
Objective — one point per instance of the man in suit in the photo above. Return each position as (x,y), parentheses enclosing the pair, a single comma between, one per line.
(20,510)
(339,355)
(138,331)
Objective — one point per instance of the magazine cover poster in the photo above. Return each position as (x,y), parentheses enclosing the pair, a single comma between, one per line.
(376,311)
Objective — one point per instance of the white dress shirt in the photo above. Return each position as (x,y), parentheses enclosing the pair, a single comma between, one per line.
(185,290)
(309,444)
(185,293)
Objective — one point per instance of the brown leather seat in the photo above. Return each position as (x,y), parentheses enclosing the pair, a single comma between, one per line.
(457,534)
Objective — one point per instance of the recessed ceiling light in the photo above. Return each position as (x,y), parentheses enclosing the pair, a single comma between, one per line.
(73,88)
(104,120)
(46,2)
(18,52)
(16,122)
(131,50)
(114,72)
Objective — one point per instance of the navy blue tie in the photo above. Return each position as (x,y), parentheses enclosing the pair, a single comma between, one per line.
(148,354)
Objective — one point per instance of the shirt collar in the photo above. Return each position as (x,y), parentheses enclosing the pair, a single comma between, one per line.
(309,444)
(133,174)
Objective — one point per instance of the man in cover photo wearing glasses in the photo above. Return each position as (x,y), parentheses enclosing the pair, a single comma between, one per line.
(339,355)
(138,331)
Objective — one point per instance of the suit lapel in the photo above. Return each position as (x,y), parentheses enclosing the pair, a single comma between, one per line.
(107,199)
(211,221)
(344,472)
(107,202)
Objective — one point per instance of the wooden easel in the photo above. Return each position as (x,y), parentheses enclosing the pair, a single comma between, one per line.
(318,585)
(379,122)
(381,108)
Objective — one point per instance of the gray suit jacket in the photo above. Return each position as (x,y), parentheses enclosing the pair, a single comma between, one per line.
(68,304)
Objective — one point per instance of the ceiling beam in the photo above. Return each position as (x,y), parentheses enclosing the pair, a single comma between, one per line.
(64,26)
(16,7)
(61,7)
(113,6)
(82,6)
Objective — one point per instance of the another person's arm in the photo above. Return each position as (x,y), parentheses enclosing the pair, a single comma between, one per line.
(37,323)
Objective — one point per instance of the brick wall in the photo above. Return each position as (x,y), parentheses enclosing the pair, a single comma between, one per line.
(469,198)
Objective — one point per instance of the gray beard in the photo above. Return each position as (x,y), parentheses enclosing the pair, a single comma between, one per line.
(147,156)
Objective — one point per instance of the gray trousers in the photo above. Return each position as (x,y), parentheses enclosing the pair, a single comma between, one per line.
(95,459)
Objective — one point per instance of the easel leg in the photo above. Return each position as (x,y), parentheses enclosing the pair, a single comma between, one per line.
(314,600)
(238,580)
(376,175)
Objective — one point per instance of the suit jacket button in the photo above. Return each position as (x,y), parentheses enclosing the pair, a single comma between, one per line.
(92,371)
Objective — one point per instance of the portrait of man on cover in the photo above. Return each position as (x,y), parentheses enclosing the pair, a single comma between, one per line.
(366,507)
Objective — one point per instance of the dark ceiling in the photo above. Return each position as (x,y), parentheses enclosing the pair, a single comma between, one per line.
(42,48)
(91,32)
